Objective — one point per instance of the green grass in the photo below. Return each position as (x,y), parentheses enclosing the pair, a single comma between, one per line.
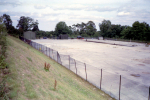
(28,79)
(29,59)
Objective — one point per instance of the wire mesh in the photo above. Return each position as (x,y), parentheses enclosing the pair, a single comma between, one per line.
(65,60)
(55,55)
(131,90)
(59,59)
(72,65)
(81,69)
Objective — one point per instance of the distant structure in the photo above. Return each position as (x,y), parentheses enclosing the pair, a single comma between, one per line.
(64,36)
(100,38)
(29,35)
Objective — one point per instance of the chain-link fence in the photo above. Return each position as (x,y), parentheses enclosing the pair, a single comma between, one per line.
(115,85)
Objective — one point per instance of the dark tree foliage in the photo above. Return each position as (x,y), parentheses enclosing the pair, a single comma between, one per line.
(84,29)
(26,23)
(105,27)
(35,28)
(7,21)
(110,30)
(42,33)
(126,33)
(140,31)
(90,28)
(114,31)
(61,28)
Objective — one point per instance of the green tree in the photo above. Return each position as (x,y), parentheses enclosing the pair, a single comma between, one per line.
(126,33)
(26,23)
(83,28)
(2,26)
(140,31)
(61,28)
(7,21)
(135,30)
(90,28)
(146,31)
(104,27)
(35,28)
(115,30)
(97,34)
(74,30)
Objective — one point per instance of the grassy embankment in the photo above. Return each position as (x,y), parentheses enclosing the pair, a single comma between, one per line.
(28,79)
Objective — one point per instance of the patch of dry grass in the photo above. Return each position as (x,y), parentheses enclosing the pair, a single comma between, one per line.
(28,79)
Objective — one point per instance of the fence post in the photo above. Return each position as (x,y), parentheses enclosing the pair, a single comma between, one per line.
(57,56)
(49,52)
(41,47)
(60,59)
(101,80)
(53,54)
(119,87)
(35,46)
(75,65)
(85,71)
(30,43)
(46,51)
(69,61)
(149,94)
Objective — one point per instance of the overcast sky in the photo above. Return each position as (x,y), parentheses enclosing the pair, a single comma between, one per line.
(50,12)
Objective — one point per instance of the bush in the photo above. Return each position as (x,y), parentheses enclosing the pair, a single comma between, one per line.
(46,66)
(3,64)
(84,35)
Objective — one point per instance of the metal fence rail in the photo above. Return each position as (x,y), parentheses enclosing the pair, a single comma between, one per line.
(116,86)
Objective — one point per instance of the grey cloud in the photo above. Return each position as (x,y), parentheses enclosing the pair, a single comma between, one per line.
(10,2)
(28,14)
(40,6)
(15,13)
(86,8)
(101,9)
(137,9)
(134,5)
(136,14)
(52,14)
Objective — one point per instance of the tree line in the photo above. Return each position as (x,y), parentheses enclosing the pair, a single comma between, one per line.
(138,30)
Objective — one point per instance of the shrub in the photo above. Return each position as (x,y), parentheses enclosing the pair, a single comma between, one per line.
(46,66)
